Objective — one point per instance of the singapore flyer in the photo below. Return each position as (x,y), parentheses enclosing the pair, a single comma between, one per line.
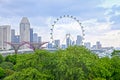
(66,31)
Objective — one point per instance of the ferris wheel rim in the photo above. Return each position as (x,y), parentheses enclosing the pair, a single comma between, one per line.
(66,16)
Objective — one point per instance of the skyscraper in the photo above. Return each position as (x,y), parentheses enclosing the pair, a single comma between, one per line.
(39,39)
(57,43)
(87,45)
(24,30)
(31,35)
(98,45)
(12,35)
(50,45)
(17,39)
(68,40)
(35,37)
(79,40)
(5,36)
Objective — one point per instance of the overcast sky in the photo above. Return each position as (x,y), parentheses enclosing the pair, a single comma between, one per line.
(101,18)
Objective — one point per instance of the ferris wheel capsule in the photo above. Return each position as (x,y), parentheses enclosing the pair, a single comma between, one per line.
(71,16)
(54,22)
(67,15)
(83,30)
(57,19)
(64,16)
(60,16)
(51,33)
(82,27)
(83,34)
(80,24)
(75,18)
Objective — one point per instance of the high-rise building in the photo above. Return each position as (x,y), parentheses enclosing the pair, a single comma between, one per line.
(12,35)
(31,35)
(63,46)
(17,38)
(79,40)
(35,37)
(50,45)
(24,31)
(87,45)
(5,36)
(94,47)
(57,43)
(98,45)
(68,40)
(73,43)
(39,39)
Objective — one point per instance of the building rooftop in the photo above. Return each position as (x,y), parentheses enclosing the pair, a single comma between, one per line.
(24,20)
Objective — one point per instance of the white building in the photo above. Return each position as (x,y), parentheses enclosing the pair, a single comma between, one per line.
(5,36)
(24,31)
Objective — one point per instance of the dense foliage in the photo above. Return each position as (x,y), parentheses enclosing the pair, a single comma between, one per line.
(1,59)
(116,53)
(74,63)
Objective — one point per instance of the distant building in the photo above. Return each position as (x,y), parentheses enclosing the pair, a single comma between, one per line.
(57,43)
(68,40)
(98,45)
(50,45)
(87,45)
(39,39)
(31,35)
(63,46)
(5,36)
(73,43)
(35,37)
(24,31)
(79,40)
(94,47)
(17,39)
(12,35)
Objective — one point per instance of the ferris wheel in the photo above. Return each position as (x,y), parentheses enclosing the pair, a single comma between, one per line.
(66,26)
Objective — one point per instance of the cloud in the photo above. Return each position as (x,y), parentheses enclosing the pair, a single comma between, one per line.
(110,38)
(5,1)
(12,21)
(109,3)
(114,17)
(49,8)
(112,13)
(42,31)
(101,31)
(94,27)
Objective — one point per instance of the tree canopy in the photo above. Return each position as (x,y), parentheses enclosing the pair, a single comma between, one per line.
(73,63)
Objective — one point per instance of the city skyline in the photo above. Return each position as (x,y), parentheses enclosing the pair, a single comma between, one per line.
(100,18)
(8,36)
